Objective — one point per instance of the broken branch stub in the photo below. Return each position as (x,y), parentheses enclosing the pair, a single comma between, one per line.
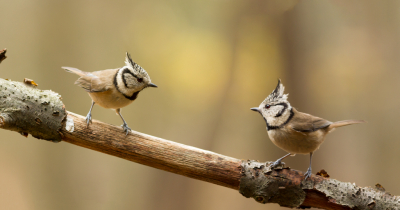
(3,55)
(25,109)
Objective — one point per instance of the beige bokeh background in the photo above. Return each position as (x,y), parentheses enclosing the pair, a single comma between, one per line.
(212,61)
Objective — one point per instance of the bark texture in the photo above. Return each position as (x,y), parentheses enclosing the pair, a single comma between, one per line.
(288,188)
(152,151)
(26,109)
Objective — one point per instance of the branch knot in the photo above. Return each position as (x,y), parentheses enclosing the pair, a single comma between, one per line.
(258,183)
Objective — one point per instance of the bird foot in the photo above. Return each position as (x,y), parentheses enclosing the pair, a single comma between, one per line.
(277,163)
(308,173)
(88,119)
(126,128)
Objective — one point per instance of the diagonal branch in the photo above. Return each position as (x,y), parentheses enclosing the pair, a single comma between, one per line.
(25,109)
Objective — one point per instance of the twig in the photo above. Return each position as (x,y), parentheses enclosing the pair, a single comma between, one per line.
(3,55)
(46,118)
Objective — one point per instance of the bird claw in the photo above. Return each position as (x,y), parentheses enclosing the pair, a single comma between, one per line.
(307,174)
(88,119)
(126,128)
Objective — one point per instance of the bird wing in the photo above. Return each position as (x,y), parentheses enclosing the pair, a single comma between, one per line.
(303,122)
(98,81)
(103,80)
(91,83)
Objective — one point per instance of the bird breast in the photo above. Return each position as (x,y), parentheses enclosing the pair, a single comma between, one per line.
(110,99)
(296,142)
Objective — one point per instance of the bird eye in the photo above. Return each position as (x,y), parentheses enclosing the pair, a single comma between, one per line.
(140,80)
(267,106)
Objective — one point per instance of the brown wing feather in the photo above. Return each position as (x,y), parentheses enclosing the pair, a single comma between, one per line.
(98,81)
(74,70)
(86,82)
(103,80)
(303,122)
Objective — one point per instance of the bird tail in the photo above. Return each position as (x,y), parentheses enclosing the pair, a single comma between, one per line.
(345,122)
(74,70)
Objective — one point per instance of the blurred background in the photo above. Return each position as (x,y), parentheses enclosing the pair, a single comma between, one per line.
(213,61)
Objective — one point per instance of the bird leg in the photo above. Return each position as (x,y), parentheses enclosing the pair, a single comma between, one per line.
(279,161)
(89,115)
(125,125)
(308,173)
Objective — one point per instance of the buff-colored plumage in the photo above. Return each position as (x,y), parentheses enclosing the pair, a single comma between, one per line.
(113,88)
(100,87)
(304,133)
(293,131)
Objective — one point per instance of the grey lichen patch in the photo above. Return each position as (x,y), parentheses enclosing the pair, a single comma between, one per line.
(258,184)
(307,184)
(27,110)
(355,197)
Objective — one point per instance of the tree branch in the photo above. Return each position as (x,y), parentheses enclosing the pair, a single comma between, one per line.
(26,109)
(154,152)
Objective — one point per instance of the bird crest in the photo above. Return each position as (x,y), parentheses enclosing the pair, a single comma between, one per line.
(277,95)
(137,70)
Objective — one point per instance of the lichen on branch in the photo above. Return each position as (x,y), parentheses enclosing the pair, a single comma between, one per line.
(27,110)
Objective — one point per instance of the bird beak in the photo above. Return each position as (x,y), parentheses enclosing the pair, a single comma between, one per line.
(255,109)
(152,85)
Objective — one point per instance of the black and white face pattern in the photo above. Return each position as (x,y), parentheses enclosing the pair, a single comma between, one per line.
(275,109)
(131,78)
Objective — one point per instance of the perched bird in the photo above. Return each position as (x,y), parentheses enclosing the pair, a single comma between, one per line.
(113,88)
(293,131)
